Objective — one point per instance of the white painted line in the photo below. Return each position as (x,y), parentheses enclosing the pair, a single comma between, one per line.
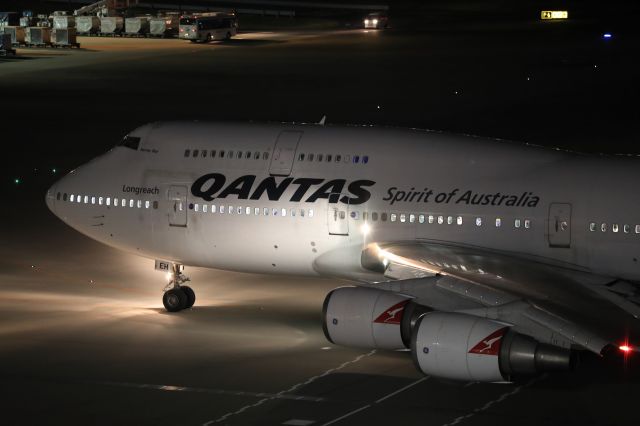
(501,398)
(288,391)
(378,401)
(171,388)
(349,414)
(298,422)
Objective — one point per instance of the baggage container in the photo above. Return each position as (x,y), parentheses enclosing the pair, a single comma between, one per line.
(64,22)
(164,26)
(17,34)
(64,37)
(38,36)
(87,24)
(111,25)
(6,47)
(136,26)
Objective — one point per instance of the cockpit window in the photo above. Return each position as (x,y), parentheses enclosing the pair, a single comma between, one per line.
(132,142)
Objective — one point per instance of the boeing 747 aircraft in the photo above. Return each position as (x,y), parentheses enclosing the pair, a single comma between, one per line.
(487,260)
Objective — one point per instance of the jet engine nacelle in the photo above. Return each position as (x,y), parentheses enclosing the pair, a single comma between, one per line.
(465,347)
(369,318)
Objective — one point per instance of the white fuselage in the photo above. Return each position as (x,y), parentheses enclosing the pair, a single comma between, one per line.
(571,210)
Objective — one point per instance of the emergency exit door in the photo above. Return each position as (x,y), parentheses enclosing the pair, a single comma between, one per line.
(560,225)
(337,217)
(177,197)
(284,153)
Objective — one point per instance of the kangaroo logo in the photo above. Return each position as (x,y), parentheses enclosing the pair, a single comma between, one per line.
(490,345)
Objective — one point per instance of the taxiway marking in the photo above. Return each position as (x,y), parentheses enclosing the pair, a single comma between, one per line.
(501,398)
(288,391)
(378,401)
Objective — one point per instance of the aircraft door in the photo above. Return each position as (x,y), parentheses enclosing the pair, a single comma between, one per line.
(337,217)
(177,206)
(560,225)
(284,153)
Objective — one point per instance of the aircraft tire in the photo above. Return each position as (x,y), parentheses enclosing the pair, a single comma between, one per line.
(174,300)
(191,296)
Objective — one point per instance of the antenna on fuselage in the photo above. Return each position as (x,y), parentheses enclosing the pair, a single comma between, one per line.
(323,120)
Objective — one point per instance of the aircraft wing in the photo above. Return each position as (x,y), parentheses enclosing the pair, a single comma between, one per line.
(573,305)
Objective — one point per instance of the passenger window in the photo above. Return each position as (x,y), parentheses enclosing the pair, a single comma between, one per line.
(516,223)
(478,221)
(603,227)
(155,205)
(393,217)
(239,210)
(449,220)
(247,155)
(239,155)
(247,210)
(256,211)
(230,210)
(265,156)
(614,227)
(365,159)
(310,157)
(204,153)
(329,157)
(100,200)
(139,204)
(293,212)
(403,218)
(626,229)
(195,153)
(93,200)
(310,212)
(637,229)
(284,212)
(459,220)
(221,209)
(187,152)
(301,212)
(131,203)
(147,204)
(205,208)
(421,218)
(213,208)
(115,202)
(108,201)
(354,215)
(319,157)
(498,222)
(338,158)
(374,216)
(440,220)
(265,211)
(301,157)
(222,153)
(383,217)
(527,223)
(430,218)
(412,218)
(356,159)
(70,198)
(343,215)
(256,156)
(275,212)
(58,196)
(213,153)
(347,158)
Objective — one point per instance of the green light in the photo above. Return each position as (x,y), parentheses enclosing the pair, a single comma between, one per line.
(53,171)
(17,181)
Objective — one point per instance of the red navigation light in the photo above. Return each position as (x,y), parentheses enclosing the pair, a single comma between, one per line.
(625,348)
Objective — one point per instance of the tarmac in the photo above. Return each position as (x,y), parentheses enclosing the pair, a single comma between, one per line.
(84,338)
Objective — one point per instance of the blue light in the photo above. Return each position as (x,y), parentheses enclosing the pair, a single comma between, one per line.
(607,35)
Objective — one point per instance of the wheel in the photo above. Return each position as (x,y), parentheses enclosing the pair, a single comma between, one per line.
(193,41)
(174,300)
(209,38)
(227,36)
(191,296)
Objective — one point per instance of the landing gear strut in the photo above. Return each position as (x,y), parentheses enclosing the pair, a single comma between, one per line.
(177,296)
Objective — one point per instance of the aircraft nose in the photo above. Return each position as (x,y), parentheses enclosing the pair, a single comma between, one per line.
(50,199)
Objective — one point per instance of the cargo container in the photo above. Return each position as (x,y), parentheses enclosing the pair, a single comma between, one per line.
(6,47)
(64,37)
(136,26)
(164,26)
(64,21)
(38,36)
(17,34)
(87,24)
(111,25)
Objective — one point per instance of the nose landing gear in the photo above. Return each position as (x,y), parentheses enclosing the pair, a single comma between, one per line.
(177,296)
